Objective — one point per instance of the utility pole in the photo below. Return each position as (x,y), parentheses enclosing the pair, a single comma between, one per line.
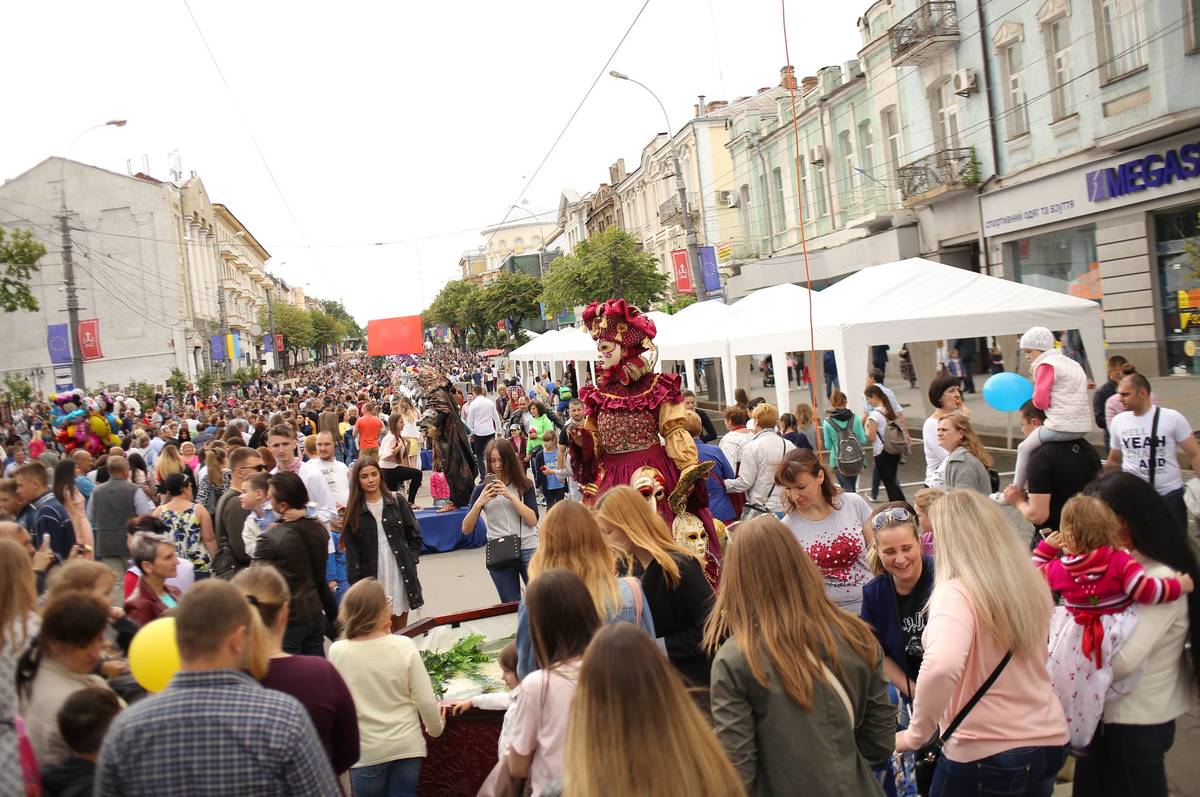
(221,307)
(689,229)
(72,297)
(271,323)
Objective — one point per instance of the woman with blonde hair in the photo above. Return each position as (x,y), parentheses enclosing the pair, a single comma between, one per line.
(760,459)
(216,476)
(19,625)
(677,591)
(410,434)
(571,540)
(967,465)
(798,695)
(392,693)
(310,679)
(989,616)
(167,463)
(630,708)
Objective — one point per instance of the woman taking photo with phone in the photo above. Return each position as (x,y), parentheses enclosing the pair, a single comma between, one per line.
(506,501)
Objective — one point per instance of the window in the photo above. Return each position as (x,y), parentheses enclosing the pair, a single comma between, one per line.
(1058,61)
(765,220)
(805,198)
(848,176)
(866,148)
(1191,11)
(519,244)
(891,132)
(503,245)
(819,188)
(1062,261)
(1121,46)
(945,112)
(780,208)
(1014,91)
(747,215)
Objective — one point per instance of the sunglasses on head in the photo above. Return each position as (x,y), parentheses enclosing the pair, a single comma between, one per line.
(896,514)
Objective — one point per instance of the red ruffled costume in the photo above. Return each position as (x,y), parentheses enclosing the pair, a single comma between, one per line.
(635,420)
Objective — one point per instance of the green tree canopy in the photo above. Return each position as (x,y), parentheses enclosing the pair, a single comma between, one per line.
(452,307)
(19,255)
(293,323)
(609,265)
(336,310)
(514,296)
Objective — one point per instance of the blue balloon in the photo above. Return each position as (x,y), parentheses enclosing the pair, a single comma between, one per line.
(1007,391)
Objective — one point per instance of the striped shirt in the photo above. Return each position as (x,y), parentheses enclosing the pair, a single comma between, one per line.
(214,732)
(1103,581)
(47,516)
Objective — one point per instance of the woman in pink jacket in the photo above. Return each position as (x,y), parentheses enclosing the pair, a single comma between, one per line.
(989,601)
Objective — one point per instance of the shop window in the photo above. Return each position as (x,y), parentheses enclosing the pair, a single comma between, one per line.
(1177,237)
(1062,261)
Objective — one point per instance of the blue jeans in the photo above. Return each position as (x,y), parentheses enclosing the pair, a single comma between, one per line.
(508,580)
(390,779)
(848,484)
(1028,771)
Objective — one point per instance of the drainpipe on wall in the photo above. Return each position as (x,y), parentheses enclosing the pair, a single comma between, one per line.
(995,141)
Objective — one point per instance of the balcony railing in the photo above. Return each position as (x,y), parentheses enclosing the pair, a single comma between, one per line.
(938,173)
(924,34)
(669,213)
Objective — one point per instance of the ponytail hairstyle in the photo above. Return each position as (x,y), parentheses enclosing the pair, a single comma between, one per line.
(267,591)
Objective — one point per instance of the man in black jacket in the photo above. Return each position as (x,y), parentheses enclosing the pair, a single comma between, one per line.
(1107,391)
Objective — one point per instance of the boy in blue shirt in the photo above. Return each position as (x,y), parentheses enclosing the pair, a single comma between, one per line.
(550,465)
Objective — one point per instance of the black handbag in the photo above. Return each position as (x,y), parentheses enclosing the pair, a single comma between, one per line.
(927,756)
(503,552)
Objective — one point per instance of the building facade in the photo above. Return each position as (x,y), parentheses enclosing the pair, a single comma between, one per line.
(150,257)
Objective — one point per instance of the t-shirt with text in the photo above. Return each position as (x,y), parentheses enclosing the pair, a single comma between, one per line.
(1131,436)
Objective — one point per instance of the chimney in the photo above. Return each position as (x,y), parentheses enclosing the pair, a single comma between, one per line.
(787,77)
(808,84)
(616,172)
(700,107)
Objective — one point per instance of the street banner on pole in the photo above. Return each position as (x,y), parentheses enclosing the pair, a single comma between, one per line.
(218,348)
(683,270)
(268,343)
(58,342)
(279,343)
(708,269)
(400,335)
(89,339)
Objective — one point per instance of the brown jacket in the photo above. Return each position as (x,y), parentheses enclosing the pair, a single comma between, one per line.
(144,606)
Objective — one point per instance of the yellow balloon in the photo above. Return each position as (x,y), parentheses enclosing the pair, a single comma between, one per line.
(153,654)
(98,425)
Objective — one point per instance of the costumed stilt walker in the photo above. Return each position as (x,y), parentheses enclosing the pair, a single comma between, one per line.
(452,453)
(635,432)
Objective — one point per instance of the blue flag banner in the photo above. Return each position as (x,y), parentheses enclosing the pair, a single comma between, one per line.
(267,343)
(58,342)
(217,344)
(708,269)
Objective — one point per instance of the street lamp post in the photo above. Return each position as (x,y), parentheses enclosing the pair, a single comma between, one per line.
(68,261)
(689,229)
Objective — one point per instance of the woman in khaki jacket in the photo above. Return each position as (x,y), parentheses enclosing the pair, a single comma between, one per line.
(798,697)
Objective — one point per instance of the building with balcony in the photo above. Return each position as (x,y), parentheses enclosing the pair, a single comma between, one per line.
(648,197)
(1099,189)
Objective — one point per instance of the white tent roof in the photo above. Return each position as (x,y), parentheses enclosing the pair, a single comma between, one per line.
(774,320)
(573,343)
(696,332)
(526,350)
(918,300)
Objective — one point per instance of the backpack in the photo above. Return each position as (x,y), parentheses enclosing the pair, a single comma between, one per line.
(894,441)
(565,393)
(849,450)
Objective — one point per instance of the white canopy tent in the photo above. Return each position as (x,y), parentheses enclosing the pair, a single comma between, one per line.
(698,332)
(918,300)
(775,321)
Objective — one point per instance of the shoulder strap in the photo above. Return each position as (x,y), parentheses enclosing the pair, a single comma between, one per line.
(836,685)
(975,698)
(1153,445)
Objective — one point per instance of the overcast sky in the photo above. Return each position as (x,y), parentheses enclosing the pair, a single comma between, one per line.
(388,122)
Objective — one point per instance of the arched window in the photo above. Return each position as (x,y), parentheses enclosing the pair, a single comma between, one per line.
(519,243)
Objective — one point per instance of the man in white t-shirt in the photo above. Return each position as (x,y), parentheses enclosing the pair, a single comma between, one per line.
(1134,435)
(335,474)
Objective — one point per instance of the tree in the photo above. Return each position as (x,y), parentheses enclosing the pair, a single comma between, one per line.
(206,383)
(610,265)
(512,296)
(294,324)
(327,330)
(351,328)
(676,303)
(17,390)
(451,308)
(178,382)
(19,255)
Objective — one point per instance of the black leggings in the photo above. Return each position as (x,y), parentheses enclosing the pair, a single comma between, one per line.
(887,465)
(394,477)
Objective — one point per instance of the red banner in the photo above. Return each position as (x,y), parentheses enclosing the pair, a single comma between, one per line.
(683,270)
(279,343)
(89,339)
(395,336)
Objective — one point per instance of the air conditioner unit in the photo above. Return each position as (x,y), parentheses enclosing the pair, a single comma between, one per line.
(727,199)
(963,82)
(816,155)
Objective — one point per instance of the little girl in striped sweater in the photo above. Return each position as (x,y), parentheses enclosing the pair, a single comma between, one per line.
(1099,584)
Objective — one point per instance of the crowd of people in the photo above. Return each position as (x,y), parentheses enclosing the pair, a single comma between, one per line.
(854,644)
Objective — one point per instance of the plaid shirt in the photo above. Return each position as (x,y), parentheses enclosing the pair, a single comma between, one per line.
(216,732)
